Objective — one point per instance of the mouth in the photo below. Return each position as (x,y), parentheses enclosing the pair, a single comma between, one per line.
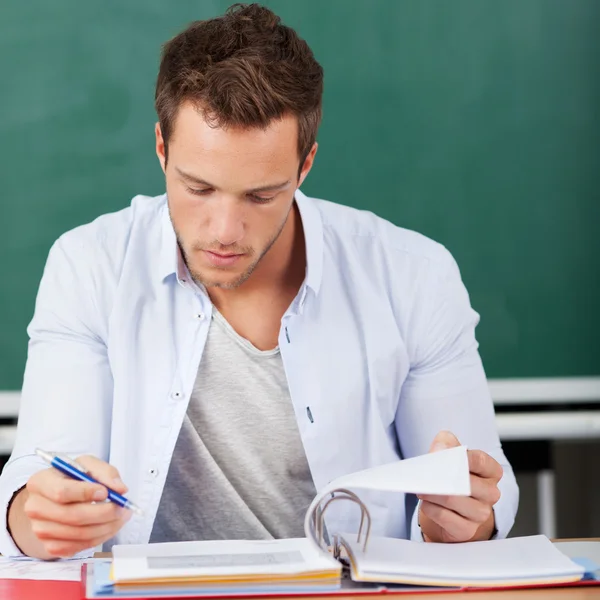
(219,259)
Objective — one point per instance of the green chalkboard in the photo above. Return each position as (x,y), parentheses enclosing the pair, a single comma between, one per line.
(476,122)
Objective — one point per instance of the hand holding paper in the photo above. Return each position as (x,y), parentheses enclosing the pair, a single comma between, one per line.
(449,518)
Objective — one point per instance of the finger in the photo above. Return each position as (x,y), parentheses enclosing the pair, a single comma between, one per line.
(80,513)
(103,472)
(444,440)
(481,463)
(482,489)
(465,506)
(455,527)
(67,548)
(485,490)
(48,530)
(53,485)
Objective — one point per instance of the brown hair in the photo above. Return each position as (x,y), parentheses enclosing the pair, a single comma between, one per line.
(243,69)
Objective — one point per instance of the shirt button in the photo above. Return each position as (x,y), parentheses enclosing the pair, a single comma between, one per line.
(177,395)
(199,316)
(153,471)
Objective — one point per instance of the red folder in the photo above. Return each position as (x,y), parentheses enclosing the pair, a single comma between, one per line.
(28,589)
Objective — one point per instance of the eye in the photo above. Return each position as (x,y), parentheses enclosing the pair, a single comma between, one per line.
(260,199)
(196,192)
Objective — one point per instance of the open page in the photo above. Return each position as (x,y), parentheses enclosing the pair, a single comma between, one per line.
(513,561)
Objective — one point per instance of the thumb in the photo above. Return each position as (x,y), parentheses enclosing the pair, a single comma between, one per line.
(444,440)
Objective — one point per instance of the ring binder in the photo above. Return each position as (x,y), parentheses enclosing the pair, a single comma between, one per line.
(317,520)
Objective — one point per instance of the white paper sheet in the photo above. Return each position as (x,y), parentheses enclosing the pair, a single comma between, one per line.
(28,568)
(443,473)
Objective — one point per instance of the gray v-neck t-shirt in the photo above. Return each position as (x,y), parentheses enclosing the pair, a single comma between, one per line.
(239,470)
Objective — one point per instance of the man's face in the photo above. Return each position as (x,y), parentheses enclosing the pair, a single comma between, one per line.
(230,192)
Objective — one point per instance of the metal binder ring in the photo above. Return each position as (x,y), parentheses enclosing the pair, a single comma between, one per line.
(318,519)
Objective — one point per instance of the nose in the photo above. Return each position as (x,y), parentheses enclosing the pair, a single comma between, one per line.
(227,223)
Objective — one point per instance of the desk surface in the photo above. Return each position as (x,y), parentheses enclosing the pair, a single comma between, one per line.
(71,590)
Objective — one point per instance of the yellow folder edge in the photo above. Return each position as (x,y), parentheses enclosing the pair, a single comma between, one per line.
(141,587)
(221,579)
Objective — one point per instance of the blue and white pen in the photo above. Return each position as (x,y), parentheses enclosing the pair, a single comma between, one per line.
(74,470)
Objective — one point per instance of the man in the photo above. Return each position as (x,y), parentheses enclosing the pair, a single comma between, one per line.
(232,346)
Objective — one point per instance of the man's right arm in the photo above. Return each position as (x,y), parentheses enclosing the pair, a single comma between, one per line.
(66,401)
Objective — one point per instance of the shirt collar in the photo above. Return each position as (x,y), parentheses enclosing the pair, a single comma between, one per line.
(312,224)
(171,261)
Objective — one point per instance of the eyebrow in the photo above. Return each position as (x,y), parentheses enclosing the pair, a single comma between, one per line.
(265,188)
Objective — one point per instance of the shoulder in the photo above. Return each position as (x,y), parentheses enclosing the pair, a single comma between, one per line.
(115,228)
(85,266)
(106,240)
(395,274)
(390,270)
(353,230)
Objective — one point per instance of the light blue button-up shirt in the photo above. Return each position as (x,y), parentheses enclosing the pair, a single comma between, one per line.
(378,348)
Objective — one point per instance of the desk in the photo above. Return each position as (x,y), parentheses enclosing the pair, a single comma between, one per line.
(71,590)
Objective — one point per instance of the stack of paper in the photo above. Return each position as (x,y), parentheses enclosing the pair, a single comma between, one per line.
(215,568)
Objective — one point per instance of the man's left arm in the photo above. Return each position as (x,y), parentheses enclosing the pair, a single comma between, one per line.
(446,390)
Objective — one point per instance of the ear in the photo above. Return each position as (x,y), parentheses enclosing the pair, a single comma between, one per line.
(160,147)
(308,163)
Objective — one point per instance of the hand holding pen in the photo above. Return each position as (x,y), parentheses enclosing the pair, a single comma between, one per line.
(69,514)
(75,470)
